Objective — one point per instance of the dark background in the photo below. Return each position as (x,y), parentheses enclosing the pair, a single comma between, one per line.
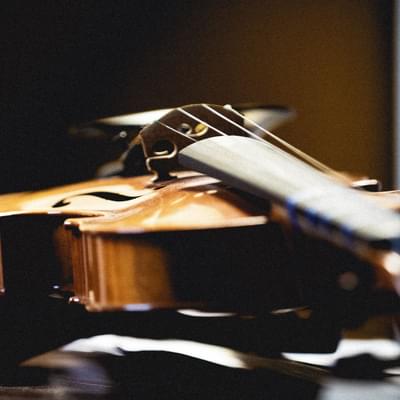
(71,61)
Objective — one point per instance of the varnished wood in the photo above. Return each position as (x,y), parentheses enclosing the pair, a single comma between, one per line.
(144,253)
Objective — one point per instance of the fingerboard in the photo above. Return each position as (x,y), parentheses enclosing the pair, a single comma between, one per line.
(314,200)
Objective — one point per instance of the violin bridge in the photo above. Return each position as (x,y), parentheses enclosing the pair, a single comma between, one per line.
(162,140)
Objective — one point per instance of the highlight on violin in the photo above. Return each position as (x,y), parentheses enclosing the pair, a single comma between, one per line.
(198,203)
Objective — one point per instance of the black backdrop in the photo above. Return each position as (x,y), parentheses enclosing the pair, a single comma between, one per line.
(64,62)
(69,61)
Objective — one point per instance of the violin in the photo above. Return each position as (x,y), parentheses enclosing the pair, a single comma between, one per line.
(212,237)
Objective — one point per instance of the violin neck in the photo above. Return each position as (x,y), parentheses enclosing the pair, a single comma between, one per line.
(315,202)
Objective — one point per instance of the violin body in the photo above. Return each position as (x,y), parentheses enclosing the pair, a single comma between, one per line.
(130,244)
(170,240)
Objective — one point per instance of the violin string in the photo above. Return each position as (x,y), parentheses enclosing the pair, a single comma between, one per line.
(243,129)
(190,115)
(254,135)
(250,133)
(301,154)
(309,159)
(176,131)
(275,149)
(306,157)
